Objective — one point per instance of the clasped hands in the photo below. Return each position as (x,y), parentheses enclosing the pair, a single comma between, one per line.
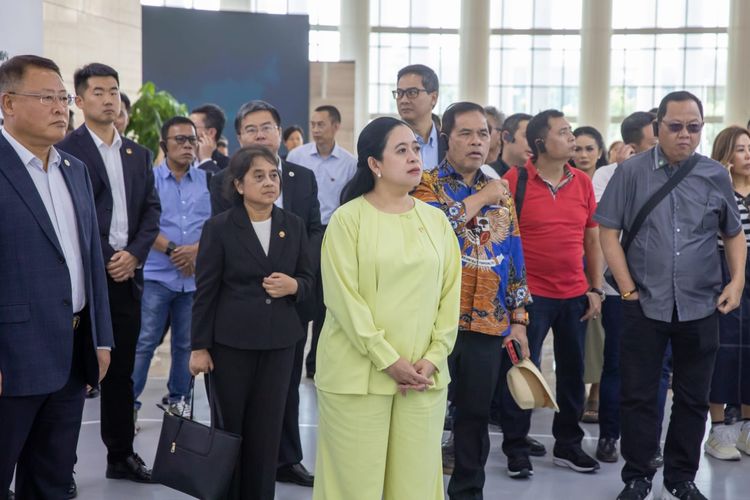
(416,377)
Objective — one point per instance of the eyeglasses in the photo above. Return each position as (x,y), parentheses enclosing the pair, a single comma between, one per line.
(676,127)
(48,99)
(411,92)
(182,139)
(265,130)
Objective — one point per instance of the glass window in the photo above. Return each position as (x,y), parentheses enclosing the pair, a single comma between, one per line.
(324,45)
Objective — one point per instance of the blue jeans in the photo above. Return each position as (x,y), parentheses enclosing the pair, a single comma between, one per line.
(563,316)
(158,303)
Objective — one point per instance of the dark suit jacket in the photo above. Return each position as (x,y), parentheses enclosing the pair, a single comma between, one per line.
(36,313)
(300,190)
(140,196)
(230,306)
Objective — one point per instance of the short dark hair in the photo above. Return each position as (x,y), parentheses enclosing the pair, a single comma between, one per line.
(332,111)
(631,128)
(13,70)
(511,124)
(175,120)
(240,164)
(538,128)
(677,96)
(430,80)
(456,109)
(496,115)
(252,107)
(214,118)
(290,130)
(125,101)
(82,75)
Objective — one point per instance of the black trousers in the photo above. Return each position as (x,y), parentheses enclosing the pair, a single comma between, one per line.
(694,347)
(117,387)
(290,449)
(317,326)
(251,387)
(477,362)
(39,434)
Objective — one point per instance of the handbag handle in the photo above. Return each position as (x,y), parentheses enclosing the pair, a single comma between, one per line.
(217,419)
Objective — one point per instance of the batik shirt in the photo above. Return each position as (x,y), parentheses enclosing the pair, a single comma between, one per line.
(493,279)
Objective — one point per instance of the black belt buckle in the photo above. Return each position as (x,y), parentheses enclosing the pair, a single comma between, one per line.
(76,321)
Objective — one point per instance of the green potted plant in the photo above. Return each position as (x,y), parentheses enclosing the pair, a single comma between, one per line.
(148,114)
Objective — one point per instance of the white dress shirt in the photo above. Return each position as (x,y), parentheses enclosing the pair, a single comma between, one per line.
(602,176)
(118,227)
(59,205)
(332,173)
(280,200)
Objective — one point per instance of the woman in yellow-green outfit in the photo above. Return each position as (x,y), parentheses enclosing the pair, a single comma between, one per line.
(391,281)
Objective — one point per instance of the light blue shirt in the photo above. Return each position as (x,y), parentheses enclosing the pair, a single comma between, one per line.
(185,207)
(429,150)
(59,205)
(331,173)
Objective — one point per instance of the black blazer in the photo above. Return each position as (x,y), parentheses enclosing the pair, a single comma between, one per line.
(300,190)
(141,198)
(230,306)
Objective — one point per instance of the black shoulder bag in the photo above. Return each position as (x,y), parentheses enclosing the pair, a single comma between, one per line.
(646,209)
(194,458)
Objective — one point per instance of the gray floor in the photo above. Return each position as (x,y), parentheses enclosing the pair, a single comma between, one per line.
(718,480)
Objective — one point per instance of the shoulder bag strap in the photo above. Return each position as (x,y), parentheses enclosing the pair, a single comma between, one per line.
(659,195)
(523,177)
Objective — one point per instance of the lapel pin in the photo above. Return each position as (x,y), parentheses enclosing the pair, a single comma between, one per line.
(66,162)
(291,174)
(129,151)
(282,234)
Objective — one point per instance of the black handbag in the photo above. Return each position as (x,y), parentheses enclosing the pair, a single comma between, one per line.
(663,191)
(193,458)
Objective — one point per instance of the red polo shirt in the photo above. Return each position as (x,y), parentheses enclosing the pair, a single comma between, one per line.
(552,228)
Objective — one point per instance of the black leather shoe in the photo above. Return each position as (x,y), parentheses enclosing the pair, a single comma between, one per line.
(296,474)
(92,393)
(606,450)
(132,468)
(658,460)
(536,449)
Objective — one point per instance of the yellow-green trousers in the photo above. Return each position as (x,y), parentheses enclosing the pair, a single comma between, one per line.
(373,447)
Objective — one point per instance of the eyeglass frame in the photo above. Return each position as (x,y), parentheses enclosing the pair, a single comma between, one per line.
(399,93)
(265,129)
(671,127)
(182,139)
(69,99)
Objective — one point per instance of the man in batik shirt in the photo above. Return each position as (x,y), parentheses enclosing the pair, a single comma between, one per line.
(493,292)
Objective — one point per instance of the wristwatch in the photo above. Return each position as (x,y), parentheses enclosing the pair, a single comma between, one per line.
(519,318)
(599,292)
(171,247)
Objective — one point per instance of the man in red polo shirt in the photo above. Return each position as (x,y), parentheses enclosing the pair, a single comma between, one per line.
(557,230)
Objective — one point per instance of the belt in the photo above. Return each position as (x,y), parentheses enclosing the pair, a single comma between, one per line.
(76,321)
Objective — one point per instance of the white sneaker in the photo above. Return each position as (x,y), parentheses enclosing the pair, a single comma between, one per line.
(743,441)
(721,443)
(180,408)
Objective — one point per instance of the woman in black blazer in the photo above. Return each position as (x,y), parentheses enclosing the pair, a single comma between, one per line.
(252,268)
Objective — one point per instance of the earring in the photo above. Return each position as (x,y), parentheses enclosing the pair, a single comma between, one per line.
(380,175)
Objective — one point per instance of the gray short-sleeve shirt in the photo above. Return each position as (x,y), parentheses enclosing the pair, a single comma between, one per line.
(674,259)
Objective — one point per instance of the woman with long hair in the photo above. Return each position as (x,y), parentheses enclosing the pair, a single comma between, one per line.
(391,281)
(731,379)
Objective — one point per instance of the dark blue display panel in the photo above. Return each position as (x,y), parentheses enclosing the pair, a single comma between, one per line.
(229,58)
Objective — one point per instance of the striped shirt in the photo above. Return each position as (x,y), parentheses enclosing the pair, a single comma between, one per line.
(744,218)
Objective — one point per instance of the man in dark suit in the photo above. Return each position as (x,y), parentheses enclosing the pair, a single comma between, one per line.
(55,327)
(128,210)
(259,123)
(209,121)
